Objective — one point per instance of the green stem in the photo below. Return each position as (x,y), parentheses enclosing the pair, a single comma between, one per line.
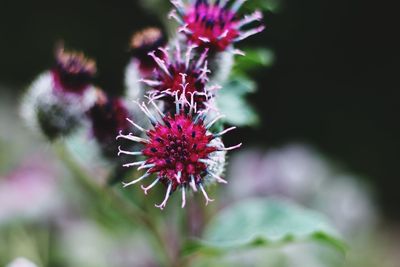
(128,209)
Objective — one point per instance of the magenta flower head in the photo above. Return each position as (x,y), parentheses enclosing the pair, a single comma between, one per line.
(214,24)
(142,43)
(108,117)
(181,77)
(73,72)
(180,150)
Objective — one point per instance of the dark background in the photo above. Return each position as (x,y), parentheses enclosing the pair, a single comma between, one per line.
(334,83)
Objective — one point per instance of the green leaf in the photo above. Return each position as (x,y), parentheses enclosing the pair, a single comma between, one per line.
(231,102)
(254,58)
(265,5)
(264,222)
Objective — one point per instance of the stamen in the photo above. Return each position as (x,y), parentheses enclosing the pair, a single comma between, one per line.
(120,151)
(134,124)
(156,96)
(149,116)
(256,16)
(224,131)
(136,163)
(178,177)
(177,104)
(202,58)
(137,180)
(132,138)
(183,197)
(214,121)
(239,52)
(145,189)
(184,29)
(204,71)
(229,148)
(151,83)
(204,39)
(223,35)
(175,16)
(160,63)
(147,166)
(200,115)
(219,179)
(191,104)
(208,200)
(148,113)
(193,183)
(188,55)
(207,161)
(179,6)
(164,203)
(244,35)
(164,50)
(151,101)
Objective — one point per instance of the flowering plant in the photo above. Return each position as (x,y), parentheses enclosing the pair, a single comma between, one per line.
(184,93)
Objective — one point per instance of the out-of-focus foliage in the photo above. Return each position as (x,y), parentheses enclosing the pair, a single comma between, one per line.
(254,58)
(232,99)
(265,5)
(233,104)
(264,222)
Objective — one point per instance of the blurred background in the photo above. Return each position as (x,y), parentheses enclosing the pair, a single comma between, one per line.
(333,86)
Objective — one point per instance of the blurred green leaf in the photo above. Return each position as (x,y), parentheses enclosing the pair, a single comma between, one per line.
(232,102)
(254,58)
(263,222)
(265,5)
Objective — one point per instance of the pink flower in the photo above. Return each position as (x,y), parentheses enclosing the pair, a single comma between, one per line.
(30,192)
(21,262)
(214,24)
(180,77)
(180,150)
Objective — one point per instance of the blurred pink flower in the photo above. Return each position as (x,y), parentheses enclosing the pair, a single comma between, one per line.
(299,173)
(21,262)
(29,192)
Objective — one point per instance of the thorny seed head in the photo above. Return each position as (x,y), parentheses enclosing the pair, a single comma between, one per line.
(214,24)
(180,150)
(73,72)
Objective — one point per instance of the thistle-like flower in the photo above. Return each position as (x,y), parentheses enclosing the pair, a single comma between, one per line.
(180,150)
(181,77)
(57,100)
(214,24)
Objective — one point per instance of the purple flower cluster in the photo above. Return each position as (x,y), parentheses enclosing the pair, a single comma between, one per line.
(180,147)
(171,81)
